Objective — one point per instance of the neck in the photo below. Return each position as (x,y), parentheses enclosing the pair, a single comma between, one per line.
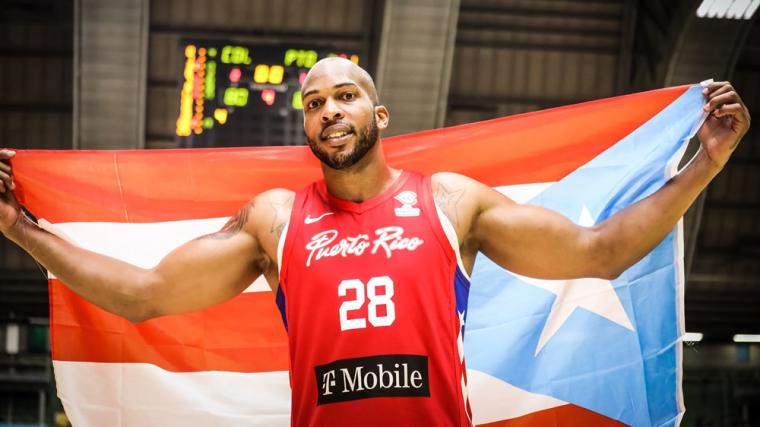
(363,180)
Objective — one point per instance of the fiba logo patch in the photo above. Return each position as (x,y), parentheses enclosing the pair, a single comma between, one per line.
(407,199)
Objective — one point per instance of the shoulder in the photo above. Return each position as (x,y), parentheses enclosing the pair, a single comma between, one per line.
(276,198)
(265,209)
(451,187)
(279,196)
(451,179)
(464,199)
(267,214)
(457,196)
(448,185)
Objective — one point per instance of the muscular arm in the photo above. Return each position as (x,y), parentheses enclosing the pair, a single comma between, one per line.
(541,243)
(198,274)
(537,242)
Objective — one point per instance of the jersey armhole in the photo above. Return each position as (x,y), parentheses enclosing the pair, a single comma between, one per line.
(444,228)
(291,229)
(281,247)
(451,236)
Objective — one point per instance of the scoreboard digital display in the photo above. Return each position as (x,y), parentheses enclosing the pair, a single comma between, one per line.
(242,95)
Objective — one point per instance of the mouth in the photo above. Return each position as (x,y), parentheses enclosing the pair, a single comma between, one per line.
(337,139)
(336,135)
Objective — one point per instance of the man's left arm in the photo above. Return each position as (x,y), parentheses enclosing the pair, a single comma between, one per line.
(540,243)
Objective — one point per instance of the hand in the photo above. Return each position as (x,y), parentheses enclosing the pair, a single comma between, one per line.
(726,124)
(9,207)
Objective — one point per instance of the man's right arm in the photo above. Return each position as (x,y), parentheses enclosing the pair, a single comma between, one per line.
(201,273)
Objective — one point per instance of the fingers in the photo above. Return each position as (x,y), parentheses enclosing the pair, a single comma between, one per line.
(714,90)
(6,154)
(711,92)
(6,179)
(723,99)
(6,173)
(719,96)
(713,86)
(735,110)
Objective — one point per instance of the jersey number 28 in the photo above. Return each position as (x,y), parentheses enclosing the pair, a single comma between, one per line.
(376,300)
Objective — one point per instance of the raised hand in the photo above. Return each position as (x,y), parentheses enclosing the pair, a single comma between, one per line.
(727,123)
(9,207)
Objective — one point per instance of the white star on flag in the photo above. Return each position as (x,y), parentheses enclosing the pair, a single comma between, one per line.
(595,295)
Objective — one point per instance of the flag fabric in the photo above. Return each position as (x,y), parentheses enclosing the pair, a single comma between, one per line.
(586,352)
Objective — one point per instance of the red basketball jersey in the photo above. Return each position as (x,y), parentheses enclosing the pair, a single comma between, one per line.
(374,301)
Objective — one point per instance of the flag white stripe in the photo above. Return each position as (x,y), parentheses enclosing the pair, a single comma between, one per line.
(495,400)
(522,193)
(141,244)
(130,394)
(138,394)
(145,244)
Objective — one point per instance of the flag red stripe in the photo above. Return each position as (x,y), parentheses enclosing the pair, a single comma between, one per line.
(244,334)
(561,416)
(164,185)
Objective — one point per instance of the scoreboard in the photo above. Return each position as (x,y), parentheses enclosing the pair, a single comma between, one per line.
(243,95)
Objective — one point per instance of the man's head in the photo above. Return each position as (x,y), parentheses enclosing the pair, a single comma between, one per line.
(341,115)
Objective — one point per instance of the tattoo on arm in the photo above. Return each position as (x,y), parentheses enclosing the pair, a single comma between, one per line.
(233,226)
(447,199)
(278,222)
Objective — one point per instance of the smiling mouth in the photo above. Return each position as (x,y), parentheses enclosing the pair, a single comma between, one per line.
(338,137)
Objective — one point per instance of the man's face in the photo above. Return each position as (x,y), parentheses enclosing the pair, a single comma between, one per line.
(339,115)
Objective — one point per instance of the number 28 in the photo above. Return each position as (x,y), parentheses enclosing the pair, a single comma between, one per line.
(375,300)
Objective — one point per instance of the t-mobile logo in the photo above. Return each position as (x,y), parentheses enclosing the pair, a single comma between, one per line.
(328,382)
(375,376)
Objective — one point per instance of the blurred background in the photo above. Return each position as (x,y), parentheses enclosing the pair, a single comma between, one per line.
(89,74)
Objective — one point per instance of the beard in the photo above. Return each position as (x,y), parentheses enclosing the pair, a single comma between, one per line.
(367,139)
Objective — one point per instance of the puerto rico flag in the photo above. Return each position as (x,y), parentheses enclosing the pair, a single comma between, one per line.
(585,352)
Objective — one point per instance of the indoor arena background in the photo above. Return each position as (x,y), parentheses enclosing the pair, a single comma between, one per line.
(89,74)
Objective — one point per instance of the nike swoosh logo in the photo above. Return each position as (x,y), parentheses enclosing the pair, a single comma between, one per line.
(310,220)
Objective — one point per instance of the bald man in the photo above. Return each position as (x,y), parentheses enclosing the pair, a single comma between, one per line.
(370,265)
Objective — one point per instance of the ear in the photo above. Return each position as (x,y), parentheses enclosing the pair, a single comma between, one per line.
(381,116)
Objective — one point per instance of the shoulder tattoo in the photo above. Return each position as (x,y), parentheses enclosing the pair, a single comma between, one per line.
(234,225)
(279,219)
(447,199)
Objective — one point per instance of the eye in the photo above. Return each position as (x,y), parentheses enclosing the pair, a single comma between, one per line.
(349,96)
(314,103)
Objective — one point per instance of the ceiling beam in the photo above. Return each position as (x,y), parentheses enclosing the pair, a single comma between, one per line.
(417,40)
(558,30)
(118,63)
(724,278)
(470,41)
(488,102)
(326,38)
(626,34)
(536,12)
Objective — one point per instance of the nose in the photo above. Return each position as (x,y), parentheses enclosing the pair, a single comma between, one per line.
(331,111)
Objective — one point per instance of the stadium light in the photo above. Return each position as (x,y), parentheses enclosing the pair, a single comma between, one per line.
(12,338)
(746,338)
(693,336)
(728,9)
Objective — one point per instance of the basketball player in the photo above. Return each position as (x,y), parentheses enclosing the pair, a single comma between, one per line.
(370,265)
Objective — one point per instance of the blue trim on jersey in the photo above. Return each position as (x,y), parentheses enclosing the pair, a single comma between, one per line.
(462,293)
(280,301)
